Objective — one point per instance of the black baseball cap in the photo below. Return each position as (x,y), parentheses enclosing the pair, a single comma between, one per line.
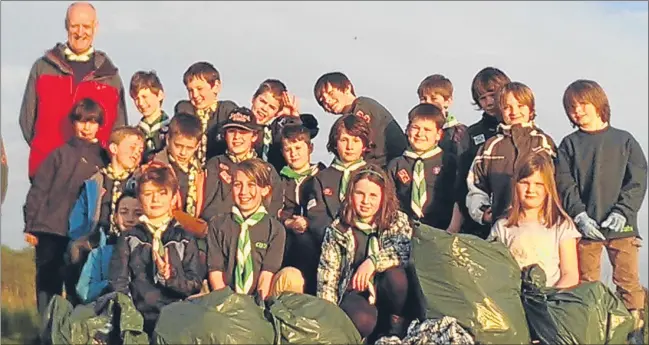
(241,117)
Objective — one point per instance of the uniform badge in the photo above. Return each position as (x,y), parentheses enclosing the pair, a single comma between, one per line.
(224,167)
(436,170)
(261,245)
(403,176)
(225,177)
(328,192)
(479,139)
(363,116)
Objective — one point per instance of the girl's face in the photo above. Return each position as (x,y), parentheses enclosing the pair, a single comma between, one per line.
(366,199)
(515,113)
(265,107)
(128,213)
(350,148)
(531,191)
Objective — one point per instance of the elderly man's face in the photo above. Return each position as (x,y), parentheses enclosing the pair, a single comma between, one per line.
(81,26)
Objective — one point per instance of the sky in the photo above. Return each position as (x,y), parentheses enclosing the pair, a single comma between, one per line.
(385,48)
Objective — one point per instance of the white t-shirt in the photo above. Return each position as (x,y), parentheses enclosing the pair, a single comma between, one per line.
(533,243)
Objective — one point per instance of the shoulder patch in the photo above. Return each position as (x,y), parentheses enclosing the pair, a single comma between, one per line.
(436,170)
(224,166)
(363,116)
(479,139)
(328,192)
(225,177)
(403,176)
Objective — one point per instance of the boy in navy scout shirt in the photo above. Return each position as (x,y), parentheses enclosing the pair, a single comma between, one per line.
(203,83)
(147,94)
(297,149)
(241,132)
(425,175)
(602,179)
(246,245)
(335,93)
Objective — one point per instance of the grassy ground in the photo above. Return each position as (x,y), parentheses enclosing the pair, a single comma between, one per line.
(20,321)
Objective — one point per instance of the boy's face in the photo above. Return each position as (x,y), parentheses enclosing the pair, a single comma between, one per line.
(296,153)
(128,213)
(128,152)
(585,115)
(350,148)
(487,102)
(239,140)
(334,100)
(423,134)
(148,103)
(438,100)
(86,130)
(201,93)
(265,107)
(182,148)
(515,113)
(156,200)
(247,194)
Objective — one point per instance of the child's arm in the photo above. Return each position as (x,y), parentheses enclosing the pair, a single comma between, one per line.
(275,251)
(634,185)
(40,188)
(277,193)
(263,287)
(119,272)
(329,268)
(215,256)
(456,220)
(93,279)
(315,209)
(396,249)
(566,183)
(395,141)
(184,278)
(477,199)
(568,264)
(217,280)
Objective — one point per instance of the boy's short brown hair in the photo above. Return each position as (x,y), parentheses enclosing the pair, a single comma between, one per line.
(145,80)
(275,87)
(426,111)
(435,83)
(186,125)
(202,70)
(521,92)
(295,133)
(587,91)
(160,176)
(258,171)
(489,79)
(353,125)
(87,110)
(118,134)
(337,80)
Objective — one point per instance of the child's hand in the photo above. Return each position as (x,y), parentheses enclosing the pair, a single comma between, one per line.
(487,216)
(291,105)
(263,288)
(163,264)
(363,275)
(300,224)
(31,239)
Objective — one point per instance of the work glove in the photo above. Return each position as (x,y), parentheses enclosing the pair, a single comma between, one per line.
(588,227)
(615,222)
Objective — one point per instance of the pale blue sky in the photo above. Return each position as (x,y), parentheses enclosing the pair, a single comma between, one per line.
(546,45)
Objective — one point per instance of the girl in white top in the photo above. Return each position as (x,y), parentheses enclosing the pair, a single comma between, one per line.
(536,229)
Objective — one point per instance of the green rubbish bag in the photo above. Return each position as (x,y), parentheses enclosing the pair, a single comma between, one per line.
(589,313)
(220,317)
(111,319)
(477,282)
(306,319)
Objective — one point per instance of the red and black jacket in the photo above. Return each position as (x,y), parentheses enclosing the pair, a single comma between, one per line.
(51,92)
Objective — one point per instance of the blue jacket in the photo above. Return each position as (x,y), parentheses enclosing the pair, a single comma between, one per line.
(85,212)
(94,274)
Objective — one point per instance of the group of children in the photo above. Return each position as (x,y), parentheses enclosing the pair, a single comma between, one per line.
(225,196)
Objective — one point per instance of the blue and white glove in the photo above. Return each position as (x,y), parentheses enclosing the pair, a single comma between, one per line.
(615,222)
(588,227)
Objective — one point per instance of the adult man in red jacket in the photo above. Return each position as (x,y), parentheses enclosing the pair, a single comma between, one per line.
(66,74)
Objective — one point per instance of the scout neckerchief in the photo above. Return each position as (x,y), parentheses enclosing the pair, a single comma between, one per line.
(450,121)
(340,166)
(204,116)
(192,173)
(115,194)
(156,231)
(150,130)
(267,139)
(83,57)
(243,272)
(373,248)
(251,154)
(418,195)
(299,177)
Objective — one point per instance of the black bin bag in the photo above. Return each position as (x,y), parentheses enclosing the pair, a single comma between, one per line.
(477,282)
(306,319)
(589,313)
(220,317)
